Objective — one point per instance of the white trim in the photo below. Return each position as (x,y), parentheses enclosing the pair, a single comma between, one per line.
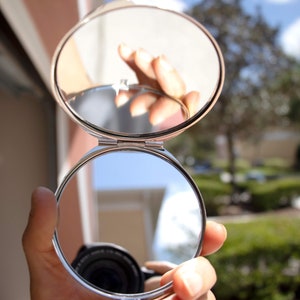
(20,20)
(85,203)
(86,6)
(62,136)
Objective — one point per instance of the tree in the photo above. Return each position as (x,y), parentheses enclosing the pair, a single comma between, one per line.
(288,86)
(253,60)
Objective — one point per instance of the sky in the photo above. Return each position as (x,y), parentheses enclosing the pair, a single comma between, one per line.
(282,13)
(286,15)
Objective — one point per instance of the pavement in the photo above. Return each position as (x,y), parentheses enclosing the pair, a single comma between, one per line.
(293,212)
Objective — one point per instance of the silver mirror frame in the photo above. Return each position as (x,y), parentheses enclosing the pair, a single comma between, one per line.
(158,136)
(96,152)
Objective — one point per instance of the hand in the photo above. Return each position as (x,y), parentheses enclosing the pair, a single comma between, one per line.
(188,277)
(156,73)
(49,280)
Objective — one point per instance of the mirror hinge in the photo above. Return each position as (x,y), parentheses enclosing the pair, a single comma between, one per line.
(154,144)
(105,141)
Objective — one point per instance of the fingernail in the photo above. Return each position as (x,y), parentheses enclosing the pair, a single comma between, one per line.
(138,110)
(155,119)
(121,99)
(141,104)
(221,228)
(144,55)
(125,51)
(192,282)
(165,64)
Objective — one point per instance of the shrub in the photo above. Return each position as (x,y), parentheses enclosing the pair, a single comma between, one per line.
(260,260)
(214,193)
(240,164)
(273,194)
(278,164)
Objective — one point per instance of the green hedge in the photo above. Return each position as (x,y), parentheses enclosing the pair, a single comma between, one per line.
(214,193)
(273,194)
(265,196)
(260,260)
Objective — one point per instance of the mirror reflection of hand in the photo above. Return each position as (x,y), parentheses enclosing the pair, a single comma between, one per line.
(49,280)
(159,74)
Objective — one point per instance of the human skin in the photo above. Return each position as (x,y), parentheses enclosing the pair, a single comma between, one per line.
(49,280)
(159,74)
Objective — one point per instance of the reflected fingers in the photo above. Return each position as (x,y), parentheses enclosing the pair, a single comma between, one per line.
(140,62)
(159,74)
(168,78)
(160,267)
(155,72)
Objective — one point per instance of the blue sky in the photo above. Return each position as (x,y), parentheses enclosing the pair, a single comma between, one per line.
(286,15)
(283,13)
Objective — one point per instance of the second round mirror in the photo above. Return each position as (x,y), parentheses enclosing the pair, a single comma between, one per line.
(124,212)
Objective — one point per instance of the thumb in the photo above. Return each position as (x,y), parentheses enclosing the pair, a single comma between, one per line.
(38,234)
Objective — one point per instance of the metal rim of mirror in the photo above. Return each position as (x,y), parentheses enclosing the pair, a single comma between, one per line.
(99,152)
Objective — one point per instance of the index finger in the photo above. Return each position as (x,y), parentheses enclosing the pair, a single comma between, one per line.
(160,267)
(168,78)
(214,237)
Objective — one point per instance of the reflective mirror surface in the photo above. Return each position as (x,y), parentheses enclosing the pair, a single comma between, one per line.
(165,112)
(120,210)
(158,69)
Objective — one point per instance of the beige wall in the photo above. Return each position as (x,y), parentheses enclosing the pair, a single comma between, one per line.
(27,155)
(276,143)
(128,218)
(24,157)
(27,145)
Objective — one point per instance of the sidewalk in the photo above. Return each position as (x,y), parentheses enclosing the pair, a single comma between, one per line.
(247,217)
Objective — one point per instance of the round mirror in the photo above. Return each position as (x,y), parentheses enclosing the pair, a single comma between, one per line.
(126,216)
(134,71)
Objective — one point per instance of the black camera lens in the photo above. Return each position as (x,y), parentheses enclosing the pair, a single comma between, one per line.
(110,268)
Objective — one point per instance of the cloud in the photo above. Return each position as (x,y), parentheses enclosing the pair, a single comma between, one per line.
(290,39)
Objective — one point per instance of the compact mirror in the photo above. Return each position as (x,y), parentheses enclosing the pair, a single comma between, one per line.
(140,72)
(133,76)
(122,208)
